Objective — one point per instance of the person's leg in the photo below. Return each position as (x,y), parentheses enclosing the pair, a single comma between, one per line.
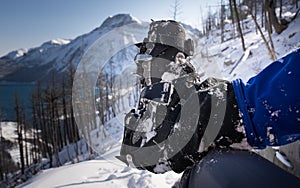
(235,169)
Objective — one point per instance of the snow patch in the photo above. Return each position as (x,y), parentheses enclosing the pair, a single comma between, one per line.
(275,113)
(60,41)
(16,54)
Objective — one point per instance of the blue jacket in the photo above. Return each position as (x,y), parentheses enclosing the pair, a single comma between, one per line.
(270,103)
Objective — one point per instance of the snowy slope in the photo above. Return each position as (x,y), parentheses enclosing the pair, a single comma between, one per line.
(101,173)
(225,56)
(104,171)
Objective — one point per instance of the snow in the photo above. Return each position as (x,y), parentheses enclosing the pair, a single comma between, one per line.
(275,113)
(9,132)
(17,53)
(213,54)
(55,42)
(106,171)
(60,41)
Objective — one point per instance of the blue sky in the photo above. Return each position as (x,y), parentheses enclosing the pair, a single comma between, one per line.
(29,23)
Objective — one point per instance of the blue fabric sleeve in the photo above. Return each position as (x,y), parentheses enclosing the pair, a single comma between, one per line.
(270,103)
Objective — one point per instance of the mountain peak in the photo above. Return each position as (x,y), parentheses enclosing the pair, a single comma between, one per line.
(119,20)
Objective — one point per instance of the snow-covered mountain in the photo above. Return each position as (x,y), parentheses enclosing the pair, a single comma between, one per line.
(54,56)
